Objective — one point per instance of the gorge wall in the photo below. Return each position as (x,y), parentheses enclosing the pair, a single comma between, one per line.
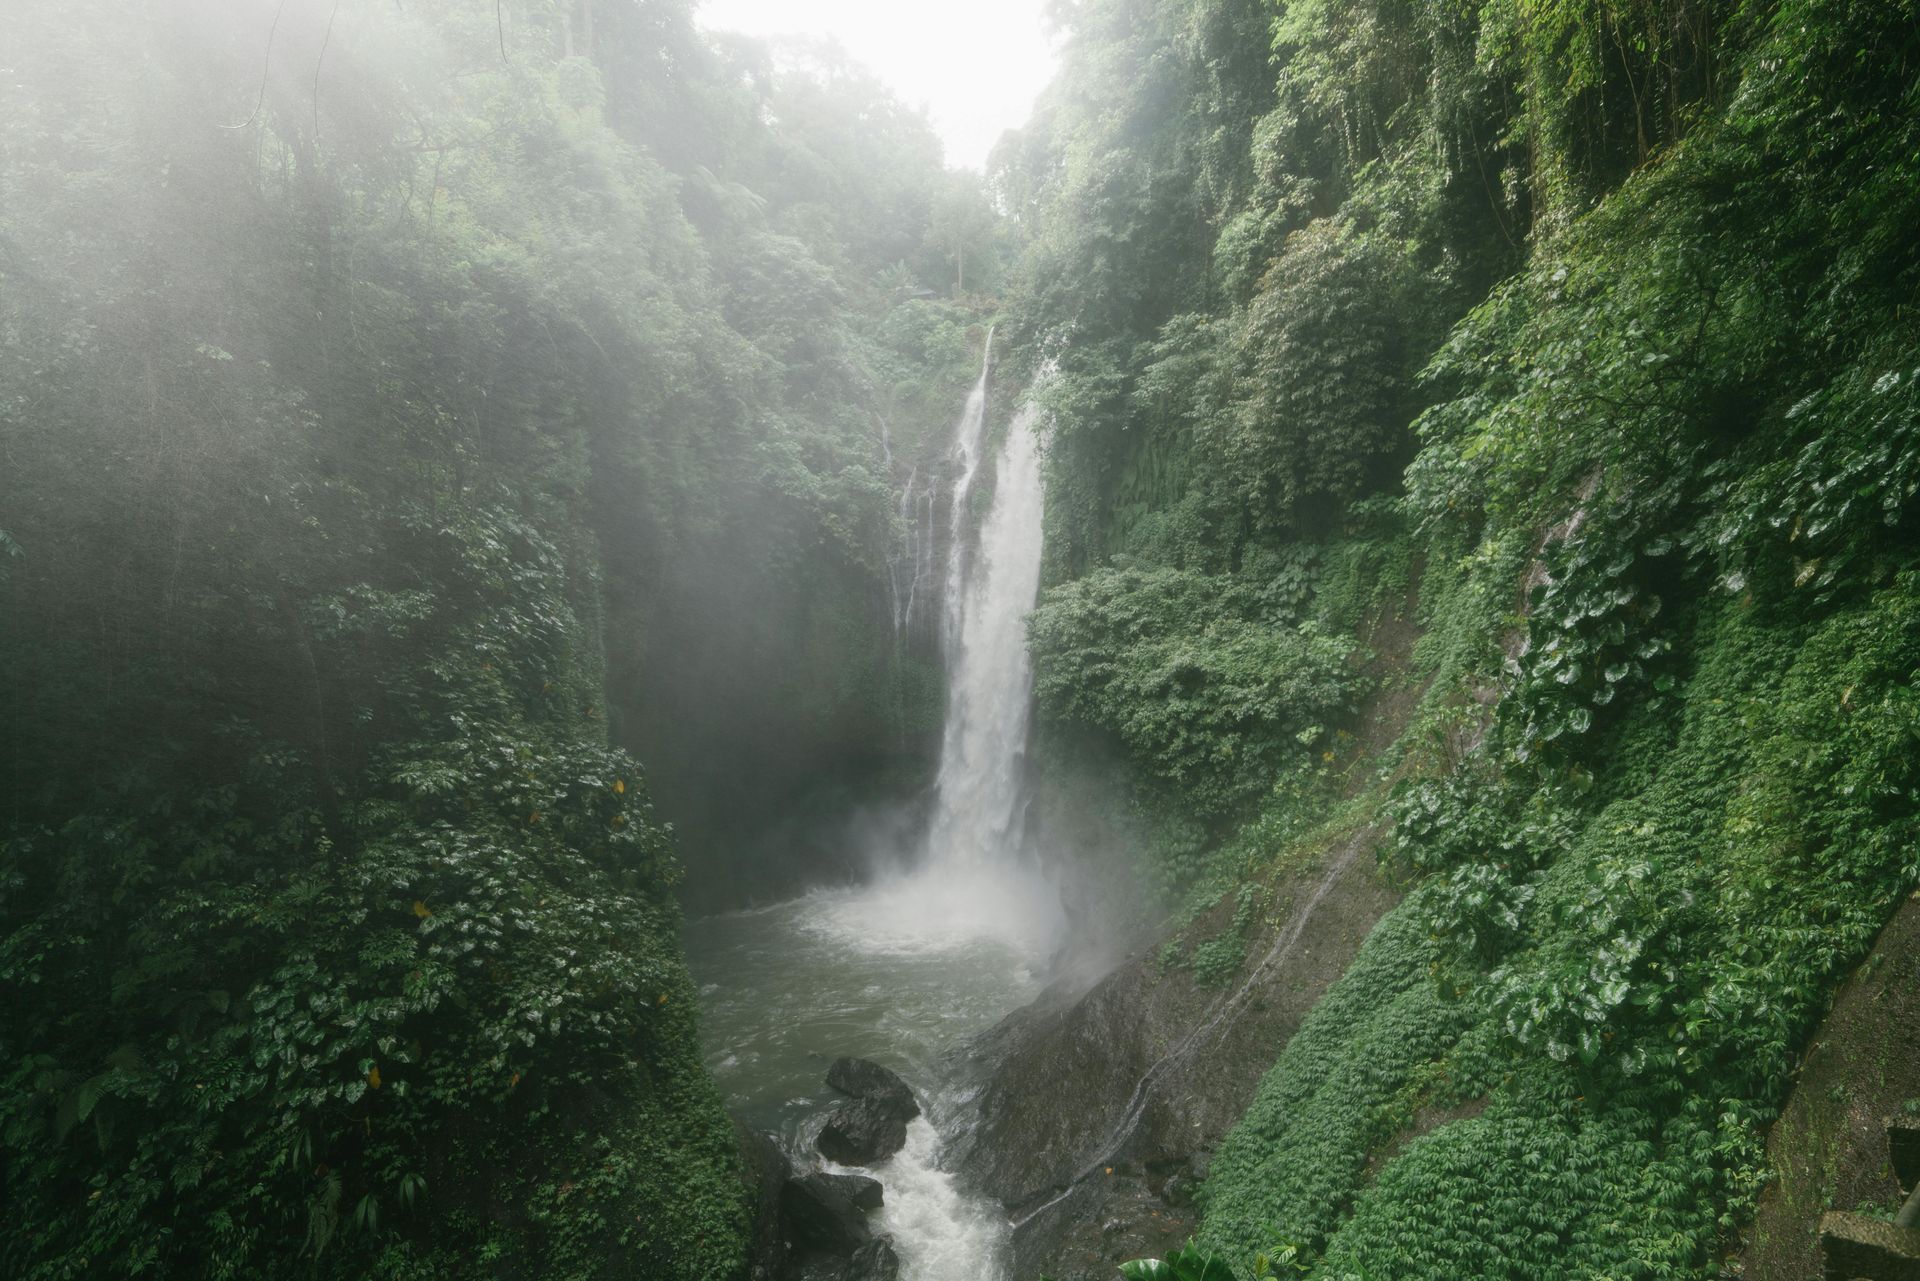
(407,412)
(1550,311)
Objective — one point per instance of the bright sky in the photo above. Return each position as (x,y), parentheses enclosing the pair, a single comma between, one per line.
(975,67)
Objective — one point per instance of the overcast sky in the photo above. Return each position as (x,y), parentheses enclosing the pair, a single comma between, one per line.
(975,67)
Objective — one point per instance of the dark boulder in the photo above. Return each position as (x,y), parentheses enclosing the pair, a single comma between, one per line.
(820,1215)
(766,1170)
(874,1125)
(875,1261)
(859,1189)
(865,1079)
(861,1133)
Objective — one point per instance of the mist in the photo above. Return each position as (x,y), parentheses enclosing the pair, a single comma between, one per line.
(446,524)
(633,651)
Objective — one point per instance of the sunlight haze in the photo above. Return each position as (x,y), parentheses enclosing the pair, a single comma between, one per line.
(976,69)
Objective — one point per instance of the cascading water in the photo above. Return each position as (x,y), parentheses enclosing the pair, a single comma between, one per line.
(911,569)
(991,680)
(968,444)
(938,945)
(973,877)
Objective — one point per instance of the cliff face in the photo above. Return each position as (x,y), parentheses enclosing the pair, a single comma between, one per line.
(1860,1075)
(1602,315)
(1097,1110)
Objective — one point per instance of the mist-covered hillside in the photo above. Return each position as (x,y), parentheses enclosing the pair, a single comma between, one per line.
(608,670)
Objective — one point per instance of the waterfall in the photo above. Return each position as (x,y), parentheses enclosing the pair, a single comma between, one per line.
(989,677)
(948,937)
(910,563)
(969,440)
(911,570)
(973,878)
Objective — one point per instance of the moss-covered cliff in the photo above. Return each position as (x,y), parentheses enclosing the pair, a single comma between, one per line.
(1599,316)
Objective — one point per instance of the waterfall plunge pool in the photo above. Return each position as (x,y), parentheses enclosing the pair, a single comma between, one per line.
(898,972)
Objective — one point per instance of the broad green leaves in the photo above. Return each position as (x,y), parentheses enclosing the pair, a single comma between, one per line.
(1190,1264)
(1207,700)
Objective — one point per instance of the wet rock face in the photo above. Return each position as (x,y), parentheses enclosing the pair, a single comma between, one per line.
(813,1227)
(861,1133)
(1102,1222)
(1098,1104)
(875,1261)
(865,1193)
(870,1262)
(865,1079)
(767,1170)
(820,1215)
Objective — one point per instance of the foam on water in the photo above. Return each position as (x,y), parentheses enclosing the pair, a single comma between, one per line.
(939,908)
(939,1232)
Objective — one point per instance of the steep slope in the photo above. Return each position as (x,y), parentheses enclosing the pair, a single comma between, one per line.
(401,407)
(1658,798)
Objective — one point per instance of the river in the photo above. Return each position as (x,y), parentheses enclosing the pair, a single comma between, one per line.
(870,972)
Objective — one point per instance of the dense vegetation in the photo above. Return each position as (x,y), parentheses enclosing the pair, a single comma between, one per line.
(414,417)
(406,412)
(1592,320)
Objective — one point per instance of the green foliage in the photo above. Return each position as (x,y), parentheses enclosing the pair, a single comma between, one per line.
(1315,404)
(1605,83)
(1658,795)
(332,1029)
(1209,701)
(1189,1264)
(1633,1187)
(1287,1170)
(1694,809)
(406,415)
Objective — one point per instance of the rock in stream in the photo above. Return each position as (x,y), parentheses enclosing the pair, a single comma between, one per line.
(872,1126)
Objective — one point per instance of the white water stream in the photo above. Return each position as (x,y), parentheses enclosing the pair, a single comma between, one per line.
(938,946)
